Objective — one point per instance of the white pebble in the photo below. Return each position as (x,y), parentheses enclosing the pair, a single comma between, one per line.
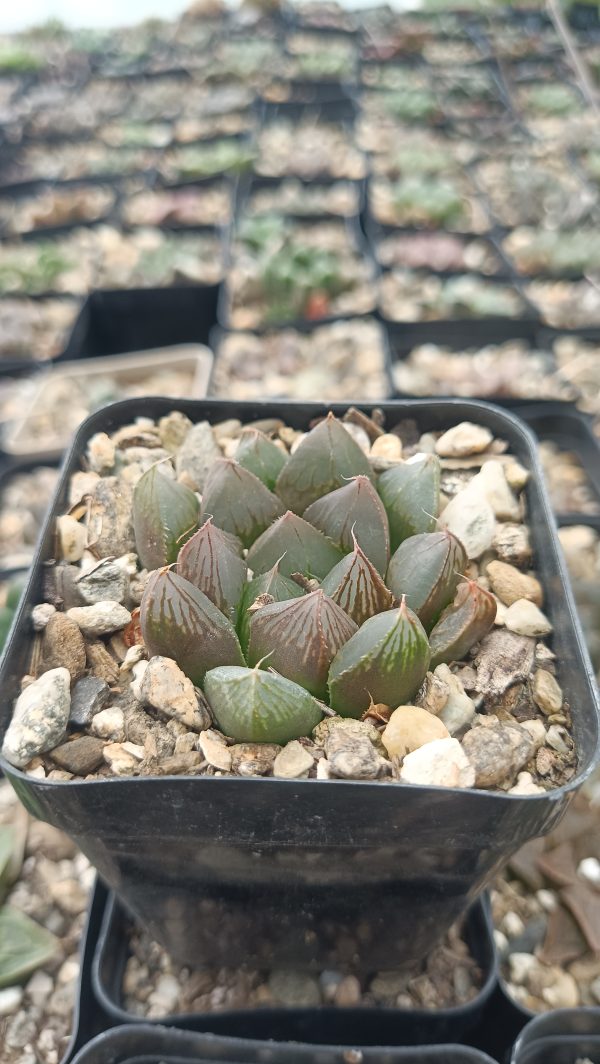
(547,899)
(464,439)
(470,517)
(10,999)
(441,763)
(41,614)
(589,869)
(524,618)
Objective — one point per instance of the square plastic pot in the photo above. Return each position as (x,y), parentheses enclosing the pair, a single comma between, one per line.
(142,1044)
(559,1037)
(371,1025)
(415,856)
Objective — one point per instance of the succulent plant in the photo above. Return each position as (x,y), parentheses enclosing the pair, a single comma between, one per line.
(276,613)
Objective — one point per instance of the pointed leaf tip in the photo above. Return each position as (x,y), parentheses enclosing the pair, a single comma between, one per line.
(354,513)
(209,563)
(238,501)
(326,457)
(299,547)
(462,624)
(426,568)
(165,514)
(410,493)
(356,586)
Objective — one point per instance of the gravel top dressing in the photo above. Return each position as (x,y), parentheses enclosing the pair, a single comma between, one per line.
(357,602)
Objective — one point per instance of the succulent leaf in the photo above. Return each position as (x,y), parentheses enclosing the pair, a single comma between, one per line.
(301,638)
(426,568)
(410,493)
(261,456)
(355,506)
(385,662)
(24,946)
(208,562)
(179,621)
(238,501)
(272,583)
(297,546)
(325,459)
(357,587)
(255,706)
(165,513)
(462,624)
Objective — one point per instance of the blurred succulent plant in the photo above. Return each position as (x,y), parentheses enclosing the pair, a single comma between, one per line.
(286,599)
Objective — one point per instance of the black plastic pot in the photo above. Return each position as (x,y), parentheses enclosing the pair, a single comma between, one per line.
(559,1037)
(88,1018)
(413,856)
(327,1025)
(570,430)
(143,1044)
(112,322)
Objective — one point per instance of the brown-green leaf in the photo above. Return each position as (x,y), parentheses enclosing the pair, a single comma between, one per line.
(463,623)
(297,546)
(325,459)
(385,662)
(410,493)
(354,508)
(427,568)
(238,501)
(165,513)
(357,587)
(272,583)
(261,456)
(179,621)
(299,639)
(208,562)
(255,706)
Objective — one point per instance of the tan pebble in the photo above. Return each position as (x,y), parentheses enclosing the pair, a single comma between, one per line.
(547,694)
(524,618)
(510,584)
(463,439)
(216,753)
(535,728)
(293,762)
(387,446)
(525,785)
(119,760)
(410,727)
(492,481)
(72,538)
(442,763)
(516,475)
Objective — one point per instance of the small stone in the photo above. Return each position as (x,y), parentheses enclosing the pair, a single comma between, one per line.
(433,693)
(197,454)
(546,692)
(387,446)
(526,785)
(177,764)
(491,481)
(106,581)
(589,869)
(101,662)
(470,517)
(120,760)
(111,521)
(353,757)
(102,618)
(80,756)
(358,435)
(109,724)
(563,993)
(497,752)
(348,726)
(173,430)
(39,719)
(442,763)
(595,989)
(296,989)
(63,646)
(388,984)
(521,966)
(39,988)
(410,727)
(524,618)
(81,484)
(510,584)
(323,769)
(348,993)
(184,744)
(516,474)
(165,997)
(462,440)
(215,751)
(459,710)
(133,656)
(10,999)
(293,762)
(253,759)
(558,738)
(72,538)
(101,454)
(511,543)
(536,730)
(41,614)
(166,688)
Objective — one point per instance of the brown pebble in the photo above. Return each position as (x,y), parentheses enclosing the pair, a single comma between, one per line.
(510,584)
(178,763)
(102,663)
(64,645)
(81,756)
